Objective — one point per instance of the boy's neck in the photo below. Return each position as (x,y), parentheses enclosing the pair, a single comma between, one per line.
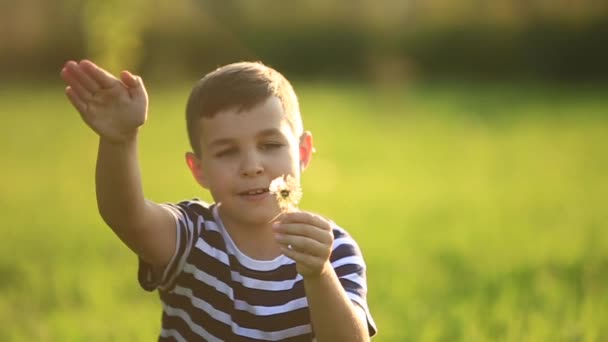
(255,241)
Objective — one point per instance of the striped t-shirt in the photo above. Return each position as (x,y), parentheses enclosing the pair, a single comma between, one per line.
(211,291)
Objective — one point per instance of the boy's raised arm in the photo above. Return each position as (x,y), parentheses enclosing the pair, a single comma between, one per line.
(115,109)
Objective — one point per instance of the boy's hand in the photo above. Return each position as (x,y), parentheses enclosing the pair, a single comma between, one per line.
(307,239)
(111,107)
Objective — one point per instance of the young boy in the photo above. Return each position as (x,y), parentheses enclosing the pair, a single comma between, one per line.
(242,268)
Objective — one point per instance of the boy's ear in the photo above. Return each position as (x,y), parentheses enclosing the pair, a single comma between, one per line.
(194,164)
(306,149)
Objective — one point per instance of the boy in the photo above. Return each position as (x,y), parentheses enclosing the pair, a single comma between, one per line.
(242,268)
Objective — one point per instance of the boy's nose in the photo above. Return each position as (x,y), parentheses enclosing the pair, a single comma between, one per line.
(251,166)
(251,171)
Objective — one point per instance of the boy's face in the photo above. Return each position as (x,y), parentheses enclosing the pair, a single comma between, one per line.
(241,153)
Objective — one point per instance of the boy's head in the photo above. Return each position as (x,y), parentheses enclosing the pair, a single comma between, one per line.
(245,130)
(239,86)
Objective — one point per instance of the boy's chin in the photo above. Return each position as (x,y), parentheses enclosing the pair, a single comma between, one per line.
(263,217)
(257,218)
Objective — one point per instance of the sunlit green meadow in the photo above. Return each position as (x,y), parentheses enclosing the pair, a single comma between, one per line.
(481,210)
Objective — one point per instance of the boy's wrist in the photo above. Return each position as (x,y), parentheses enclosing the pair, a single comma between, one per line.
(325,271)
(119,140)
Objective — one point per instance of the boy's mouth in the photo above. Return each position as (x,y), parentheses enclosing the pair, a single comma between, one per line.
(254,192)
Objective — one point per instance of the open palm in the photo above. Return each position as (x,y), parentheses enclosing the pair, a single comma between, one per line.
(114,108)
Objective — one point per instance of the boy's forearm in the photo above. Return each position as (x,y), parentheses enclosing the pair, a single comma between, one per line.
(333,315)
(119,191)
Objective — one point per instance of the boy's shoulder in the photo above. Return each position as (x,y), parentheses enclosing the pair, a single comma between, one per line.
(343,241)
(194,208)
(194,202)
(339,232)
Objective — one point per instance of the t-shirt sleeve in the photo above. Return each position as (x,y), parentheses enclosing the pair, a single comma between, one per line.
(348,263)
(187,230)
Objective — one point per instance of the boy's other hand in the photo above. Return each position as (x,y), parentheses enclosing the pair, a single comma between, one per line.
(114,108)
(307,239)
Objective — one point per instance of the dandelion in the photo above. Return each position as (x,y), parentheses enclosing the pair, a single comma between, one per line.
(287,192)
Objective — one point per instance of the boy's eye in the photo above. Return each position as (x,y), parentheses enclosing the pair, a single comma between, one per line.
(271,146)
(226,152)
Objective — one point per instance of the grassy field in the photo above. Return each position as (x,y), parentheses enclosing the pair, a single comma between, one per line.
(481,210)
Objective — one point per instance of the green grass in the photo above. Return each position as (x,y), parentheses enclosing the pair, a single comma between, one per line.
(481,210)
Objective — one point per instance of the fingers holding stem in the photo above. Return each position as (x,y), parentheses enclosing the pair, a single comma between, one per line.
(302,243)
(306,243)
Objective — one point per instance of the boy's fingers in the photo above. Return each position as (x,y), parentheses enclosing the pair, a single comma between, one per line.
(102,77)
(299,257)
(128,79)
(309,231)
(134,84)
(76,101)
(81,77)
(74,84)
(306,217)
(303,244)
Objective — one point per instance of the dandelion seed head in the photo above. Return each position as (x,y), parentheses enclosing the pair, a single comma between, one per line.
(287,192)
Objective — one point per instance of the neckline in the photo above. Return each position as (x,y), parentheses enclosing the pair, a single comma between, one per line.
(244,259)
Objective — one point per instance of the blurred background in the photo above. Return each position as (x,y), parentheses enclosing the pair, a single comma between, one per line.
(463,143)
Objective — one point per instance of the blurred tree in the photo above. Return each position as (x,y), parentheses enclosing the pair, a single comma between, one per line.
(387,39)
(113,32)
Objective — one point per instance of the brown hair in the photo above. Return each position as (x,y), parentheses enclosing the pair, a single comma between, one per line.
(242,86)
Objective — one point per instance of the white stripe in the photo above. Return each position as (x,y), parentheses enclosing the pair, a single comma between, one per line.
(189,222)
(193,326)
(166,277)
(204,305)
(222,287)
(182,216)
(342,241)
(210,280)
(274,335)
(354,259)
(227,319)
(212,252)
(174,211)
(254,264)
(244,259)
(266,285)
(172,333)
(354,277)
(211,225)
(258,265)
(200,222)
(355,298)
(293,305)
